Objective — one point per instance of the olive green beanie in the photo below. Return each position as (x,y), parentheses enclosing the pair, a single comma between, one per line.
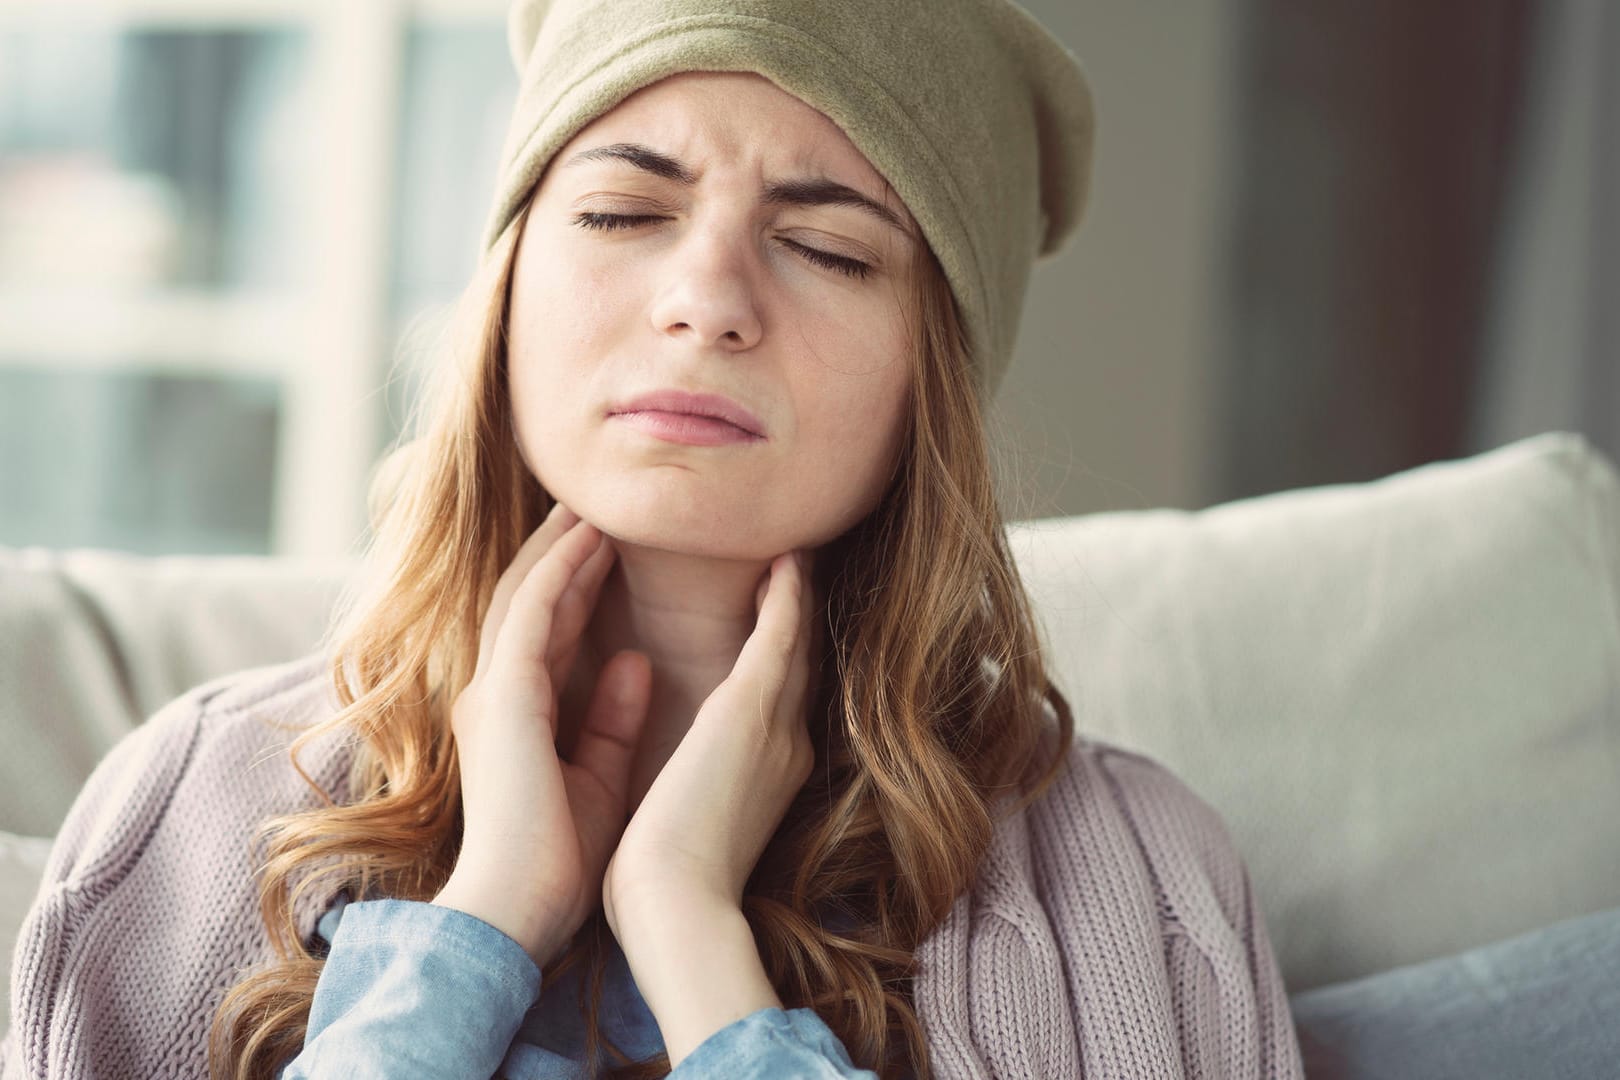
(978,118)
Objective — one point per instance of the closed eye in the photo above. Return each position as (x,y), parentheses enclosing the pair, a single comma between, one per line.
(607,222)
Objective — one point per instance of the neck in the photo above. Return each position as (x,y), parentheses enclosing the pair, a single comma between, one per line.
(690,615)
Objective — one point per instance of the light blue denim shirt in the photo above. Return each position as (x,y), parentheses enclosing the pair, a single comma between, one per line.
(411,989)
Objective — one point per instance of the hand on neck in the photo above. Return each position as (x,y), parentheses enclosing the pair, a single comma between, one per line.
(690,615)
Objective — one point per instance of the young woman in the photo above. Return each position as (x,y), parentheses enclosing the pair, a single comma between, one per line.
(691,714)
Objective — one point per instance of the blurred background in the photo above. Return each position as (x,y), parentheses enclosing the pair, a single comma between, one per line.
(1327,241)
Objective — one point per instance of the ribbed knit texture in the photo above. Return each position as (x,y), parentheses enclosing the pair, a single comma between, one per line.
(1112,933)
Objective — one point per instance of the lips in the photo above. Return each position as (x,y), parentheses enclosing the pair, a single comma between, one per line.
(715,406)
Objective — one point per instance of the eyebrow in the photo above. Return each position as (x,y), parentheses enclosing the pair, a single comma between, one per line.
(805,191)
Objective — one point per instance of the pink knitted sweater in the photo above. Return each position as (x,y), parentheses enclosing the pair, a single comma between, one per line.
(1112,931)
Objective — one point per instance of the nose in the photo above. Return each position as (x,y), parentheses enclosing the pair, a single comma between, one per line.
(708,295)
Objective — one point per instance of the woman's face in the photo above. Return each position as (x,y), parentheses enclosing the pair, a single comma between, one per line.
(713,286)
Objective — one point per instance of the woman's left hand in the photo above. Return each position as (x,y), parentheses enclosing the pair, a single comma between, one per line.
(700,829)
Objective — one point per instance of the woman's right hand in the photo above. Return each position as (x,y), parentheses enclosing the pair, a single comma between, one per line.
(538,831)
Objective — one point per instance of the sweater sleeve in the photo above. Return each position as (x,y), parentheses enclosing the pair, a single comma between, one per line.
(148,907)
(412,989)
(1274,1021)
(53,1011)
(1230,1004)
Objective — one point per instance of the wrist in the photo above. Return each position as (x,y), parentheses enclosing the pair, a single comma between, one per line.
(523,923)
(698,969)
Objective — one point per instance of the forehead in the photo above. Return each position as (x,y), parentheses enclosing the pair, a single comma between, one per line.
(741,117)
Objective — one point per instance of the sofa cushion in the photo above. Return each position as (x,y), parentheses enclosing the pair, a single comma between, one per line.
(1403,696)
(96,641)
(1539,1004)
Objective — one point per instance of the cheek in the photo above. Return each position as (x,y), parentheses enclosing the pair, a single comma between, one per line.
(860,408)
(572,305)
(858,439)
(862,427)
(564,316)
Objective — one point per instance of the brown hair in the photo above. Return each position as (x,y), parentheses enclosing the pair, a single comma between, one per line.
(933,704)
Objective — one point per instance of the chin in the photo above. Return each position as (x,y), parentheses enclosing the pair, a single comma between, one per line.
(676,521)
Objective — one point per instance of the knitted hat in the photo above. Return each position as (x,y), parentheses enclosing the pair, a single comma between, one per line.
(977,117)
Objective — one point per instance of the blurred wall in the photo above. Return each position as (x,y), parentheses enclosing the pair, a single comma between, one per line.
(1373,167)
(1106,406)
(1551,355)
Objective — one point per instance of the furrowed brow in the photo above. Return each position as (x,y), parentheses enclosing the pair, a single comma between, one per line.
(806,191)
(816,192)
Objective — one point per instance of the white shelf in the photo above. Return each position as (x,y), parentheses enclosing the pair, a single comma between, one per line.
(207,14)
(179,331)
(330,346)
(178,14)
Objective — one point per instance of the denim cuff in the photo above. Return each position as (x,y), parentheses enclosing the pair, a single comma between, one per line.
(411,988)
(770,1044)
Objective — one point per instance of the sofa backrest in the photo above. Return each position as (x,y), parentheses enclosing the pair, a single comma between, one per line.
(1402,696)
(93,642)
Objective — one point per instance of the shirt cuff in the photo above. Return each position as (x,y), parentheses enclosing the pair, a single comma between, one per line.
(772,1044)
(437,982)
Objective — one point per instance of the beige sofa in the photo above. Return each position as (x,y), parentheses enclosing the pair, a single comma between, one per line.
(1403,695)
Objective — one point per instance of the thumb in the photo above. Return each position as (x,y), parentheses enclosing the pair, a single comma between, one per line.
(606,744)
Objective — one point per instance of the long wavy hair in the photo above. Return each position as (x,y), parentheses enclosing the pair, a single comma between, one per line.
(932,705)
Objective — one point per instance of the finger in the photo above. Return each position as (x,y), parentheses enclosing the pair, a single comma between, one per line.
(763,662)
(805,562)
(522,639)
(790,703)
(606,744)
(574,610)
(557,521)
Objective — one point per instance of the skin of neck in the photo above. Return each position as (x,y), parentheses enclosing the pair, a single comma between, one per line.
(690,615)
